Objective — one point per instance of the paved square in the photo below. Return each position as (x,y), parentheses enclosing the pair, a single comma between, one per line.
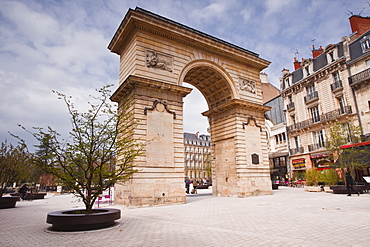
(289,217)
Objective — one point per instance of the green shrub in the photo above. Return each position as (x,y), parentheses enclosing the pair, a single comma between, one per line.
(329,177)
(312,176)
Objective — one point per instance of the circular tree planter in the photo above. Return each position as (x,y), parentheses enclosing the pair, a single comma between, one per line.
(8,201)
(71,220)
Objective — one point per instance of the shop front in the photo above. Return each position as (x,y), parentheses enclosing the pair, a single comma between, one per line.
(322,161)
(299,167)
(359,155)
(279,170)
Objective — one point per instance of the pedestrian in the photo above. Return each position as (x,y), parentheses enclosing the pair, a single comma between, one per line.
(195,184)
(187,185)
(23,190)
(350,182)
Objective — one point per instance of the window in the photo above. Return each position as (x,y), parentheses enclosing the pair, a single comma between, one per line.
(331,54)
(282,161)
(296,141)
(319,138)
(336,77)
(290,98)
(307,70)
(293,120)
(342,105)
(311,89)
(347,132)
(365,44)
(287,83)
(315,114)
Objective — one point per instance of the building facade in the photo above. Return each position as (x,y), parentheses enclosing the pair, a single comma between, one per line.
(359,70)
(277,141)
(197,156)
(317,94)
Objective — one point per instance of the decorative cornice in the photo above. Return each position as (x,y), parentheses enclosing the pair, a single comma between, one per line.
(140,19)
(235,103)
(132,81)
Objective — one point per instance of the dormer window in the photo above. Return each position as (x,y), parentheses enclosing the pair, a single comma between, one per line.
(287,82)
(307,70)
(365,44)
(331,54)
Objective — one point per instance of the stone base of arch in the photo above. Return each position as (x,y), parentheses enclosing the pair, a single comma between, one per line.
(158,108)
(241,165)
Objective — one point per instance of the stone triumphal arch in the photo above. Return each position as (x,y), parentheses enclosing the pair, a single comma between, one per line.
(156,56)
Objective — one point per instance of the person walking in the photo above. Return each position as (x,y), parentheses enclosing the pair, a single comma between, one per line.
(350,182)
(187,185)
(195,184)
(23,190)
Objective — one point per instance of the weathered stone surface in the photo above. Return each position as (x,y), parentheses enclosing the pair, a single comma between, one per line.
(156,57)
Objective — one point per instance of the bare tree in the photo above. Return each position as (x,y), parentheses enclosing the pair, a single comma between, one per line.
(99,151)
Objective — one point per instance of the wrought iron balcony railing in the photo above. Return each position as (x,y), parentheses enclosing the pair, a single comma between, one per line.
(325,117)
(311,96)
(336,85)
(290,106)
(359,77)
(296,150)
(316,146)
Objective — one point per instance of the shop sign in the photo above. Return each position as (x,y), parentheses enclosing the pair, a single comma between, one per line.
(299,164)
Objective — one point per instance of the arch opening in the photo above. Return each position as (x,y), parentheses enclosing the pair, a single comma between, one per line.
(211,83)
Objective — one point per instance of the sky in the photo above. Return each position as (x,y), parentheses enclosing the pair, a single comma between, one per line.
(61,45)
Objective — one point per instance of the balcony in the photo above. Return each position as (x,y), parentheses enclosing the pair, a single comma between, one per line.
(336,85)
(311,97)
(359,77)
(296,150)
(316,146)
(325,117)
(290,106)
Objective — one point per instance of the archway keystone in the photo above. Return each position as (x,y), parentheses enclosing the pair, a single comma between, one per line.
(156,56)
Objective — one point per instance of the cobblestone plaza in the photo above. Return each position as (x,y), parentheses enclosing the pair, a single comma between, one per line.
(289,217)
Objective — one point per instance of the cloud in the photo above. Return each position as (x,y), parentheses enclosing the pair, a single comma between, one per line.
(62,45)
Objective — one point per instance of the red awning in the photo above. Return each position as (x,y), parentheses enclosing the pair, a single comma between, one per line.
(356,145)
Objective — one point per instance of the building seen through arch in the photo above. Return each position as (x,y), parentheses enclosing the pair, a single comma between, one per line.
(197,157)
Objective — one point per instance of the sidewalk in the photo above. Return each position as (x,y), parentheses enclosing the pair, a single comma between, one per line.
(289,217)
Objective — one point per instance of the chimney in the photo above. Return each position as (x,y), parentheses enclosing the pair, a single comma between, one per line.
(297,64)
(317,52)
(196,134)
(359,24)
(285,71)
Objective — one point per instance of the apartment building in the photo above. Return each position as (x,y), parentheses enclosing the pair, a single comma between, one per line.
(330,86)
(277,141)
(197,156)
(359,67)
(314,94)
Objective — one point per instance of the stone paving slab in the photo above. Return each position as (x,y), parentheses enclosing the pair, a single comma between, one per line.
(289,217)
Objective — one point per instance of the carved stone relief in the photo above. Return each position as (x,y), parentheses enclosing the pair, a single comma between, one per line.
(160,106)
(158,60)
(247,85)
